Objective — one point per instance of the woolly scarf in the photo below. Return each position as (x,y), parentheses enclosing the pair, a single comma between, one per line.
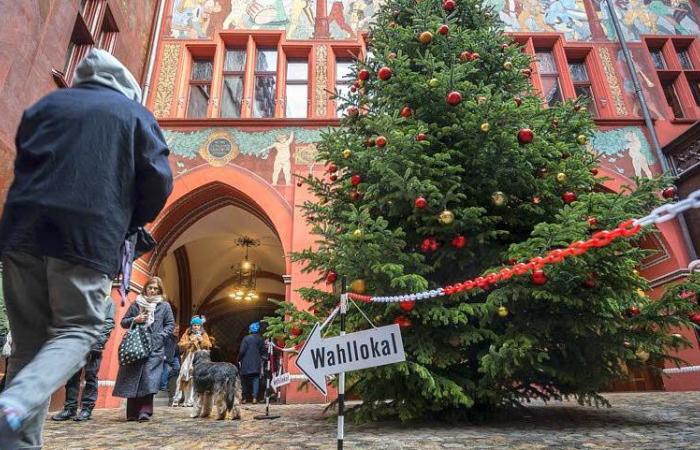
(149,304)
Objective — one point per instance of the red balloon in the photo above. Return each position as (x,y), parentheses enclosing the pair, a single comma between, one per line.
(355,180)
(538,277)
(406,112)
(421,137)
(443,30)
(421,203)
(525,136)
(449,5)
(384,73)
(331,277)
(407,305)
(454,98)
(459,241)
(568,197)
(670,192)
(380,141)
(363,74)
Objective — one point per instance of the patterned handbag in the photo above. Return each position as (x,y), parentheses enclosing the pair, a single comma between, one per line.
(135,346)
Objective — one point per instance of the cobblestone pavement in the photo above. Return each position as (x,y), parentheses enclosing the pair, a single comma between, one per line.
(635,421)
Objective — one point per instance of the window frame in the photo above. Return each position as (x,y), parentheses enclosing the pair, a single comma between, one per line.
(226,73)
(265,73)
(306,81)
(196,82)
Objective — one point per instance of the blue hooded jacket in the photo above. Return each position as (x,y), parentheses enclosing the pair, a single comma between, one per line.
(92,165)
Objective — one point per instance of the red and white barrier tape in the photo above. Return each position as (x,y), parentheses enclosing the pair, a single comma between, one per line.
(602,238)
(689,369)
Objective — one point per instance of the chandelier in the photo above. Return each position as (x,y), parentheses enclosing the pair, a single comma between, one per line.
(245,273)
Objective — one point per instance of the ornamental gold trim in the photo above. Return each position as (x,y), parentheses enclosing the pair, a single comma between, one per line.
(166,81)
(320,94)
(220,159)
(613,81)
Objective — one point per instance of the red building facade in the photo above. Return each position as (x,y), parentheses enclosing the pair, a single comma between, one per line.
(243,89)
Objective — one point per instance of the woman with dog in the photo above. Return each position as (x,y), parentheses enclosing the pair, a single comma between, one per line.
(194,339)
(139,382)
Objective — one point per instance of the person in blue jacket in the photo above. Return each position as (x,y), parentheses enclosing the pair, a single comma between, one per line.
(251,356)
(91,167)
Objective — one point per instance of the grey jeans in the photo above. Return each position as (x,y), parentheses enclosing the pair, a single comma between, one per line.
(56,310)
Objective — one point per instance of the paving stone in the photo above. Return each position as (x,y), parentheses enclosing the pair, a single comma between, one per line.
(658,420)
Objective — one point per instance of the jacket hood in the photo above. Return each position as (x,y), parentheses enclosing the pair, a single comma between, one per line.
(101,67)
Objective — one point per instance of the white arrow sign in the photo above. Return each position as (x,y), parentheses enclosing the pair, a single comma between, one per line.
(354,351)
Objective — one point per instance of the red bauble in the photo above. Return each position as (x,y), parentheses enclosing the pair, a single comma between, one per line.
(334,177)
(355,180)
(300,183)
(518,101)
(669,192)
(380,141)
(363,74)
(687,295)
(449,5)
(634,311)
(429,245)
(421,136)
(568,197)
(504,47)
(525,136)
(384,73)
(421,203)
(299,346)
(526,72)
(295,331)
(465,56)
(444,29)
(406,112)
(331,277)
(454,98)
(538,277)
(695,318)
(370,142)
(459,241)
(332,168)
(592,221)
(353,89)
(355,196)
(474,56)
(594,171)
(407,305)
(353,111)
(590,282)
(280,342)
(403,322)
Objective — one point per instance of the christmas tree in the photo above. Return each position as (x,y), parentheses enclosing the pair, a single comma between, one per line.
(447,166)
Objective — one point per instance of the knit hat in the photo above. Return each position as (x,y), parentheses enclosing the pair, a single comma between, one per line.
(254,327)
(196,320)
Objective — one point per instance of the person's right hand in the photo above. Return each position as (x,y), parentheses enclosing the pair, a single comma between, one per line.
(141,318)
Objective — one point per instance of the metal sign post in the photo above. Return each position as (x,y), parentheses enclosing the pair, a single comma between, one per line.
(268,375)
(341,377)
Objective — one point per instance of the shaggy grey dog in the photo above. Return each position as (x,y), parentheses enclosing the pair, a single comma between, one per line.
(215,383)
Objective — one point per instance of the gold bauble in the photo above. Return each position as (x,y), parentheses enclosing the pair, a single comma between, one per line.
(508,65)
(498,198)
(643,355)
(447,217)
(357,234)
(485,127)
(433,82)
(358,286)
(425,37)
(641,292)
(502,311)
(561,177)
(635,272)
(347,153)
(581,139)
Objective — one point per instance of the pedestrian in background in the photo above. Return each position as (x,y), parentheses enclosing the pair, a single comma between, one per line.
(139,382)
(91,368)
(251,356)
(91,167)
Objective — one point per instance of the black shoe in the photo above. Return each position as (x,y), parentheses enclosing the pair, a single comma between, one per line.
(84,414)
(9,438)
(66,414)
(144,417)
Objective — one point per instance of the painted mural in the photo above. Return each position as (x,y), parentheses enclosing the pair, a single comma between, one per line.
(273,154)
(197,19)
(647,80)
(638,17)
(626,150)
(563,16)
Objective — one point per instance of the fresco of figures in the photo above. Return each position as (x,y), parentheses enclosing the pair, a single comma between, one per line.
(638,17)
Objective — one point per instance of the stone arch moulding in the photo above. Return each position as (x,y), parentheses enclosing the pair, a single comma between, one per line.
(205,190)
